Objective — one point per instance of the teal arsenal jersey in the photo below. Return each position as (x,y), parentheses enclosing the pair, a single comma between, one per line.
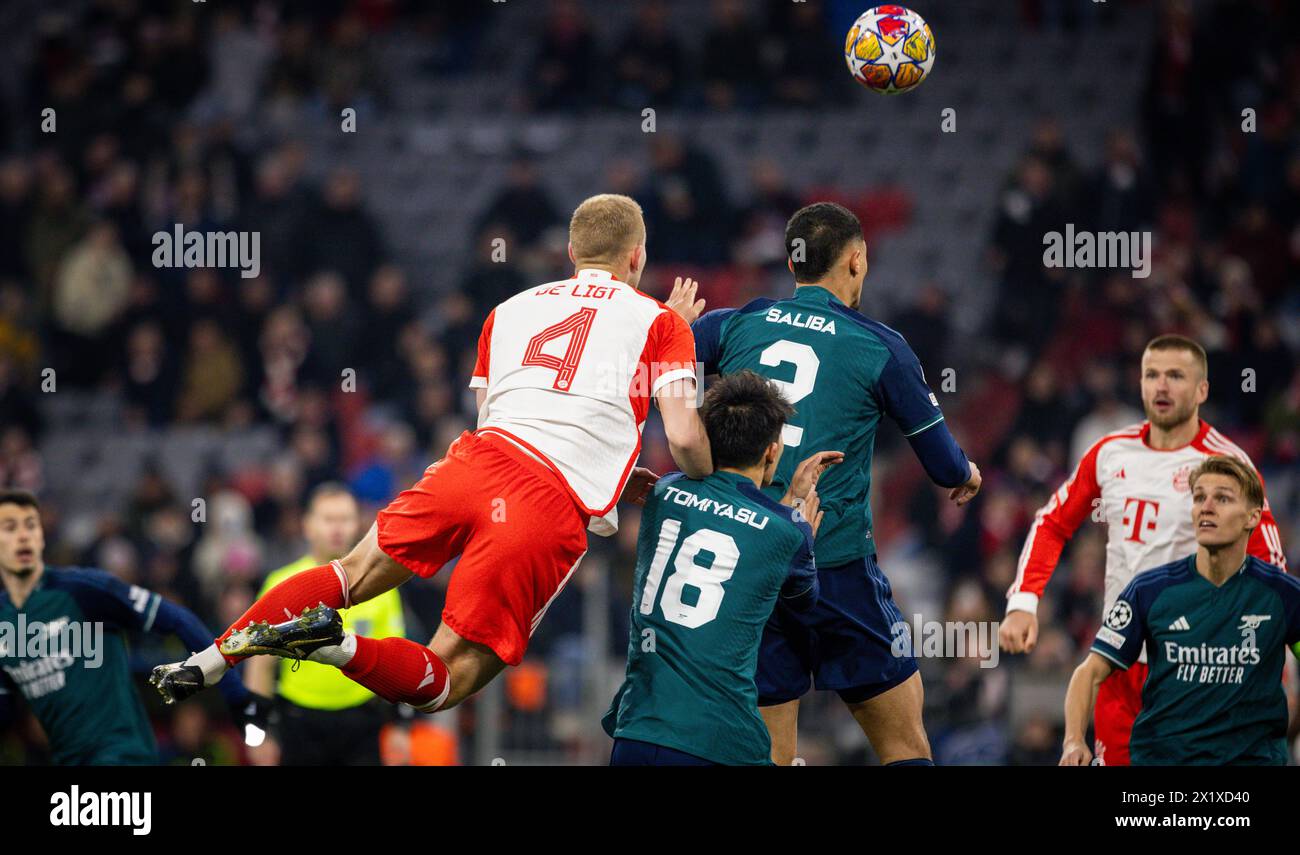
(842,372)
(63,652)
(713,556)
(1214,693)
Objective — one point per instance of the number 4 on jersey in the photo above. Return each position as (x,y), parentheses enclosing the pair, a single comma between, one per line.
(576,326)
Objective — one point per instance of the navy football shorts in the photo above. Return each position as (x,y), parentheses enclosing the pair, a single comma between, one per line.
(633,752)
(850,643)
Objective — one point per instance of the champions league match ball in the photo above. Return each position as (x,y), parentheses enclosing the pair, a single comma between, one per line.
(889,49)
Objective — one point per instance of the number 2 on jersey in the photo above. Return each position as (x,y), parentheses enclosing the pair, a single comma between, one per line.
(707,580)
(805,362)
(576,326)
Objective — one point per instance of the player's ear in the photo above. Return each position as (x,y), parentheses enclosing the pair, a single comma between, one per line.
(858,261)
(1253,521)
(571,256)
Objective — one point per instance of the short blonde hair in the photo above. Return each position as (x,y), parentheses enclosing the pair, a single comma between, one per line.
(1221,464)
(604,227)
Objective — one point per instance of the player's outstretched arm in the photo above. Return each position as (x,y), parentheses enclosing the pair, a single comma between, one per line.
(687,440)
(1080,698)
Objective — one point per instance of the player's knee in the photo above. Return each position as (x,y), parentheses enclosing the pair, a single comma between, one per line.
(903,743)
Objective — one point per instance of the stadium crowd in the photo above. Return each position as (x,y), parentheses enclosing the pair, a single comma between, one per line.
(148,96)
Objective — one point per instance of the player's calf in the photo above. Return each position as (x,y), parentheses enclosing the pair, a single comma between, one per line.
(782,722)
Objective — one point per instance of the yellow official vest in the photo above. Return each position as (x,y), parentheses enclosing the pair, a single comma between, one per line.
(323,687)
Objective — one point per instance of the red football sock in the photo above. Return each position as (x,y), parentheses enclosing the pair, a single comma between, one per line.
(400,671)
(325,584)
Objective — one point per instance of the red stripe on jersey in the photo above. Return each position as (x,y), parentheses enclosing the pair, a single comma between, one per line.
(1056,521)
(1266,540)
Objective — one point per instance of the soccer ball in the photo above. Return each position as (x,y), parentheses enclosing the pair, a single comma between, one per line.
(889,49)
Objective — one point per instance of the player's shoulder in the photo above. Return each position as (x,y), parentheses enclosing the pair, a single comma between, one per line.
(1146,585)
(876,334)
(1273,576)
(715,318)
(84,584)
(1125,438)
(661,487)
(786,519)
(1212,441)
(77,577)
(877,329)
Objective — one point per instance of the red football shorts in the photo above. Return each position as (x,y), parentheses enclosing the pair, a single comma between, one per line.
(1119,700)
(516,529)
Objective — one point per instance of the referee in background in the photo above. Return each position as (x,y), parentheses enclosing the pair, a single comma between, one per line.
(325,719)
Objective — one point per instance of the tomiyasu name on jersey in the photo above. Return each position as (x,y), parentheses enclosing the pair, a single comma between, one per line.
(1214,694)
(713,556)
(842,371)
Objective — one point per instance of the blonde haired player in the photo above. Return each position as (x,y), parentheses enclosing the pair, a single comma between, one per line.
(565,375)
(1138,481)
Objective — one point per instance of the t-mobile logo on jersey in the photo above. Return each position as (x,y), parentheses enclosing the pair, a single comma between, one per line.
(1140,516)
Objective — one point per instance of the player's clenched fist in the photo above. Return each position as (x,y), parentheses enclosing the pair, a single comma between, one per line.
(1075,753)
(682,300)
(962,494)
(1018,632)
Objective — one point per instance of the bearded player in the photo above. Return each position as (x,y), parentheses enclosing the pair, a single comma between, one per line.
(565,375)
(1137,480)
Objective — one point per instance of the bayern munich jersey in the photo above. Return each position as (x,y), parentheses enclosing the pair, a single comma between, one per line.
(1143,496)
(570,368)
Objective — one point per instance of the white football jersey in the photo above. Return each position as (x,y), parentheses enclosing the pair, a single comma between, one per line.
(570,368)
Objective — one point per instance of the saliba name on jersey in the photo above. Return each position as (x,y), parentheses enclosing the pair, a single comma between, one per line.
(817,323)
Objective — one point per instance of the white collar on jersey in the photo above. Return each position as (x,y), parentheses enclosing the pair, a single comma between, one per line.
(591,274)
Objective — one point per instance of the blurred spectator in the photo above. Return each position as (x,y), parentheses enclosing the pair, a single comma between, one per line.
(732,67)
(565,74)
(522,209)
(213,375)
(650,62)
(685,205)
(343,237)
